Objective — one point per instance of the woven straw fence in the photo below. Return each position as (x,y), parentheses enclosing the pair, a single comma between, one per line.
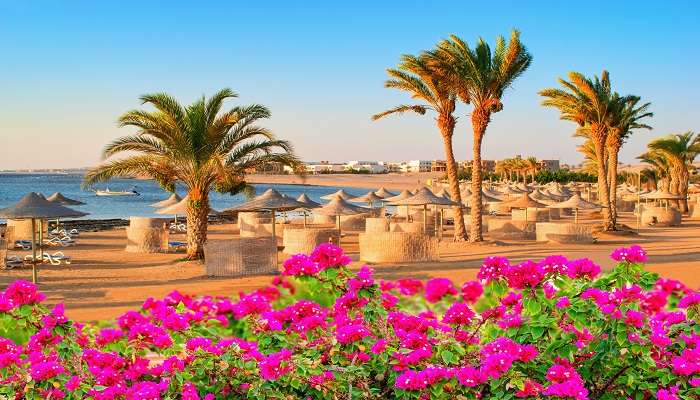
(241,257)
(376,225)
(499,228)
(564,232)
(147,235)
(413,227)
(533,214)
(397,247)
(304,240)
(23,228)
(660,216)
(9,238)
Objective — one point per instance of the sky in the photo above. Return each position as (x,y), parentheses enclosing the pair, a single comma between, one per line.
(69,69)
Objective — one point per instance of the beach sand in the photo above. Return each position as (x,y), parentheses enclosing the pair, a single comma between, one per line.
(104,281)
(375,181)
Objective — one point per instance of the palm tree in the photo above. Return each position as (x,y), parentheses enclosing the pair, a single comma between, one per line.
(659,171)
(197,146)
(680,150)
(590,161)
(479,77)
(588,102)
(533,167)
(423,77)
(626,118)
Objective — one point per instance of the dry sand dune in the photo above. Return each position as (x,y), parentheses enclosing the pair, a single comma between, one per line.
(104,280)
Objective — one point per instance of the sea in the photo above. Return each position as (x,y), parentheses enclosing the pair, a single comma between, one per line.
(15,185)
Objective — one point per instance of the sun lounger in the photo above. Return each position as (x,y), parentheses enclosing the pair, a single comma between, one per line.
(64,232)
(56,258)
(177,246)
(23,244)
(180,228)
(9,262)
(63,241)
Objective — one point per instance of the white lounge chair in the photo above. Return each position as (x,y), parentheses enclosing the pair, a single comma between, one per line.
(179,227)
(64,232)
(177,246)
(56,258)
(62,241)
(23,244)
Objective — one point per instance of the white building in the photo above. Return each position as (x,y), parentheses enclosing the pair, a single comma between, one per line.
(416,166)
(323,167)
(374,167)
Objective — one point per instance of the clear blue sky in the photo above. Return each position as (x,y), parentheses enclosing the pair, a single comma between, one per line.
(68,69)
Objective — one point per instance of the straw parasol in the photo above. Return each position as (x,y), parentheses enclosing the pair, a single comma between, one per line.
(383,193)
(662,194)
(537,194)
(422,198)
(340,193)
(524,202)
(369,198)
(443,193)
(180,208)
(173,199)
(308,204)
(272,201)
(576,203)
(337,207)
(59,198)
(33,206)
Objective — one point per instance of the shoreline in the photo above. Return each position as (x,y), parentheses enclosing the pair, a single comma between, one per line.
(363,181)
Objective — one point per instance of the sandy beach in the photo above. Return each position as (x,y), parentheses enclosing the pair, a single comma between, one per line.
(367,181)
(104,280)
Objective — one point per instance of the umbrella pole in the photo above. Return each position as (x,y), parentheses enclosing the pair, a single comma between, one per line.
(442,219)
(337,219)
(34,275)
(274,238)
(304,218)
(425,219)
(576,216)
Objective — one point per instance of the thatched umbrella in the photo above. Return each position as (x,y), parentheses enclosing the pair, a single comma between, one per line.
(491,193)
(59,198)
(576,203)
(524,202)
(424,197)
(35,207)
(383,193)
(368,198)
(537,194)
(337,207)
(401,196)
(180,208)
(443,193)
(308,204)
(340,193)
(173,199)
(271,201)
(662,194)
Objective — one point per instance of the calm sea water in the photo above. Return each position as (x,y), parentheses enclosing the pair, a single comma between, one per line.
(14,186)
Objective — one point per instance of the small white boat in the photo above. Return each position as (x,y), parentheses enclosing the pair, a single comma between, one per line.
(108,192)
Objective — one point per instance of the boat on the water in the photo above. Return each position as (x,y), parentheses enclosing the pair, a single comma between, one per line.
(108,192)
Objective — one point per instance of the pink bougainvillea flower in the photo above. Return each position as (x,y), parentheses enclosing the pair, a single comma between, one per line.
(492,268)
(634,254)
(471,291)
(328,255)
(458,314)
(437,288)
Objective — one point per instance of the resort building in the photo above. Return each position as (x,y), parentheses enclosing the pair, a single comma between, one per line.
(372,167)
(438,166)
(417,166)
(323,167)
(550,165)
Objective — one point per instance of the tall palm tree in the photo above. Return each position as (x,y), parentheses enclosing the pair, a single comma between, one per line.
(196,146)
(423,77)
(680,150)
(626,117)
(479,76)
(588,102)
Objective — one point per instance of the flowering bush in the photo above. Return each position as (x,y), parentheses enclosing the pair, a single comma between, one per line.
(556,328)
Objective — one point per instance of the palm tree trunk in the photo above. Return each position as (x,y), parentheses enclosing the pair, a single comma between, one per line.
(447,125)
(683,178)
(613,152)
(603,189)
(480,120)
(197,221)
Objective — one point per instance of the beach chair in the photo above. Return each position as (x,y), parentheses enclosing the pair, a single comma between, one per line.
(56,258)
(62,241)
(8,262)
(177,246)
(178,228)
(23,244)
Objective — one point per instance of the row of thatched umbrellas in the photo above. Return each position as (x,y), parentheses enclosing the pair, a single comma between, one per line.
(37,208)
